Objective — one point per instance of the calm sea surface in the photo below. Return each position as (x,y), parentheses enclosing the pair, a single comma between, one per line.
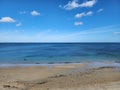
(50,53)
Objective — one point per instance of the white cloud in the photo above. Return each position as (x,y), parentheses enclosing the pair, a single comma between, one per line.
(80,15)
(34,13)
(88,3)
(23,12)
(71,5)
(7,20)
(100,10)
(18,24)
(74,4)
(89,13)
(78,23)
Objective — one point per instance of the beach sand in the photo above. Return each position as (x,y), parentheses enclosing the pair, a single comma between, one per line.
(60,77)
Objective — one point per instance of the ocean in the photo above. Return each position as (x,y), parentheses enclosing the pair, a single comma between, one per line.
(57,53)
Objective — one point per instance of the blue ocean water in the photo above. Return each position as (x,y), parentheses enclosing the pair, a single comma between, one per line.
(50,53)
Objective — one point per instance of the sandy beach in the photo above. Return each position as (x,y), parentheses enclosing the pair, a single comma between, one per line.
(60,77)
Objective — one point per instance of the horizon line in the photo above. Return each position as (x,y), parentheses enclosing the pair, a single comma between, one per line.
(59,42)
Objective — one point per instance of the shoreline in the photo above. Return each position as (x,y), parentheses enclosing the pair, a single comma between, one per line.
(80,76)
(90,64)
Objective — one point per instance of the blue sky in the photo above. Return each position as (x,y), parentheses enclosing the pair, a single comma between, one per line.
(59,21)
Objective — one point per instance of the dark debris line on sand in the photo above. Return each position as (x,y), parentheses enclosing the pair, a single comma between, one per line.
(9,86)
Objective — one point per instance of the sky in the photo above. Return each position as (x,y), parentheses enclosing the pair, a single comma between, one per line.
(59,21)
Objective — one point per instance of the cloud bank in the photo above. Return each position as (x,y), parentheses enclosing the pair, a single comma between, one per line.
(53,36)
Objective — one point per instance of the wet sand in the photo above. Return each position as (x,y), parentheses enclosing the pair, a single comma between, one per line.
(60,77)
